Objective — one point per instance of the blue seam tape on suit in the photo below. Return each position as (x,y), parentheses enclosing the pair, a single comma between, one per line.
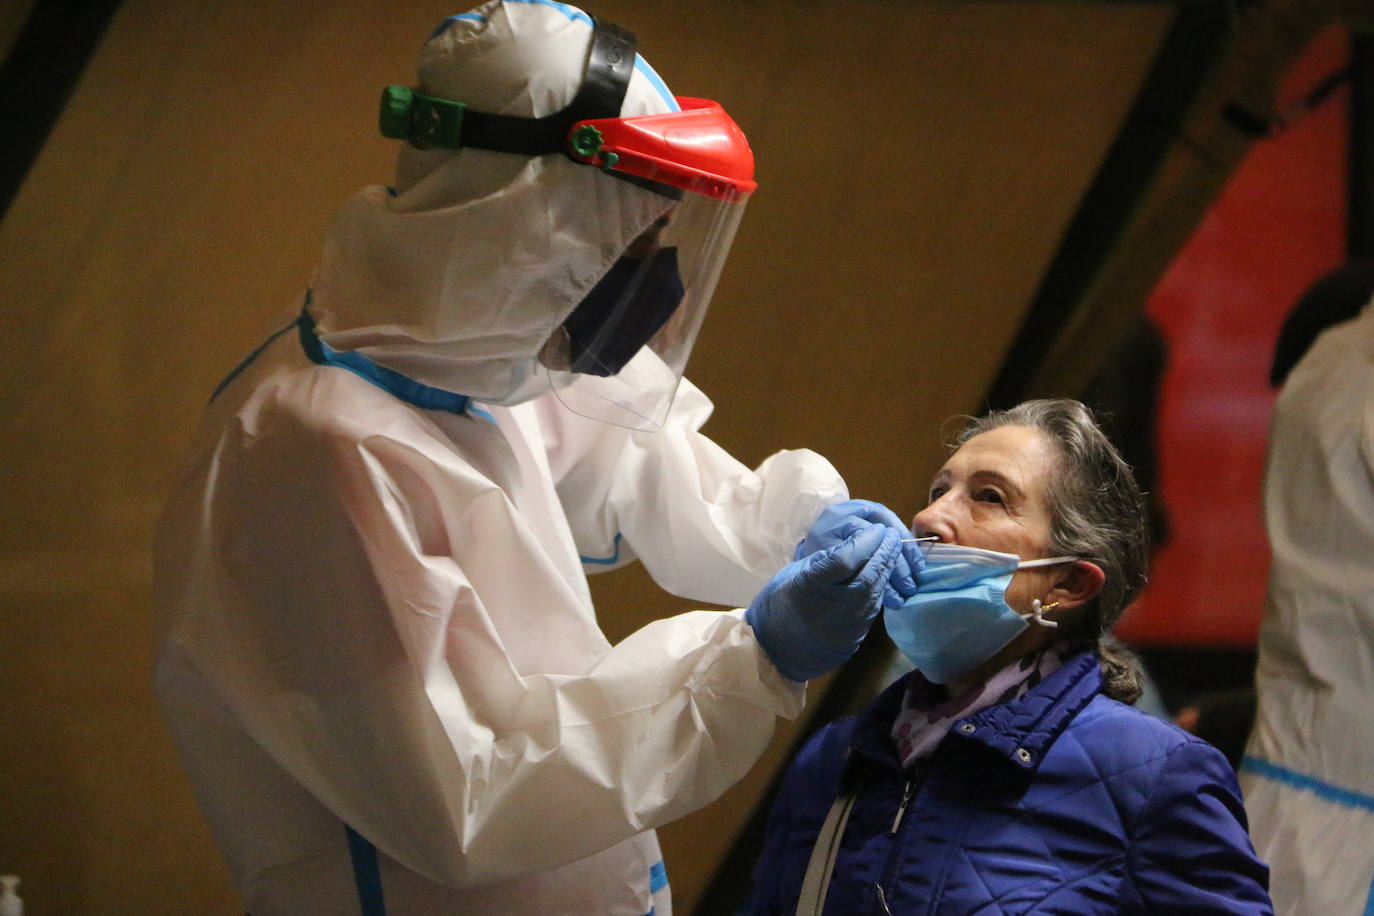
(1346,798)
(479,412)
(642,65)
(604,561)
(390,381)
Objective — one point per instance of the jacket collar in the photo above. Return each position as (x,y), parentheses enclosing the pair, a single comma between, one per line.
(1020,732)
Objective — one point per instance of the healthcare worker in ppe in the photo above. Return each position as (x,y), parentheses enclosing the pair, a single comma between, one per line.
(1307,773)
(377,650)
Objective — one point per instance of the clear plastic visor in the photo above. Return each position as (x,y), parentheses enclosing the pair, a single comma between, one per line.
(629,340)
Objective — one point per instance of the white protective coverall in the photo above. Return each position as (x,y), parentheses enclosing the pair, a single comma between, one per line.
(374,606)
(1307,776)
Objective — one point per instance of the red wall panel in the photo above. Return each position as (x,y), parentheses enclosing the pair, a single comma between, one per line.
(1279,225)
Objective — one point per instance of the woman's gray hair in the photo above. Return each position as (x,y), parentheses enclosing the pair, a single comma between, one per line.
(1097,512)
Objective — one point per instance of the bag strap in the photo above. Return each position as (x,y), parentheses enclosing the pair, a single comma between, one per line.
(823,855)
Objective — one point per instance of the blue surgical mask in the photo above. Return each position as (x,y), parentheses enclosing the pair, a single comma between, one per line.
(959,616)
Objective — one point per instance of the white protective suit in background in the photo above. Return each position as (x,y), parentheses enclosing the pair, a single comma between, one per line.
(1307,776)
(373,598)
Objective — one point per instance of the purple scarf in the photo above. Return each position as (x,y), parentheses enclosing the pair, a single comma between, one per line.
(928,712)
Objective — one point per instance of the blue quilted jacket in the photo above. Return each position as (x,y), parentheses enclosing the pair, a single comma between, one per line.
(1063,801)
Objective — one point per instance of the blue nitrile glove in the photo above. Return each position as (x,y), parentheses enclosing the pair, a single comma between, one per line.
(813,614)
(842,519)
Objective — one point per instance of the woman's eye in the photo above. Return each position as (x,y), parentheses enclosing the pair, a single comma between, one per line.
(937,493)
(990,496)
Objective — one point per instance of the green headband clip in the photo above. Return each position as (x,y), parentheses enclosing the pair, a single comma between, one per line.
(423,120)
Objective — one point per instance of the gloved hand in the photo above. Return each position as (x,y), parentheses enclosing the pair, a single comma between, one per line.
(841,520)
(813,614)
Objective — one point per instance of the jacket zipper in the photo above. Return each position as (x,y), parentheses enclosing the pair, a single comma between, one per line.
(909,793)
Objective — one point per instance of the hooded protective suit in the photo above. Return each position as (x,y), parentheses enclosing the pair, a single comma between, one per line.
(1308,783)
(377,649)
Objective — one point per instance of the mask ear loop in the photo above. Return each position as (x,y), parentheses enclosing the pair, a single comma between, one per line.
(1047,561)
(1038,613)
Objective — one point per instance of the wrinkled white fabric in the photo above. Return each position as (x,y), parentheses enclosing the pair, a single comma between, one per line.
(460,278)
(377,615)
(1308,782)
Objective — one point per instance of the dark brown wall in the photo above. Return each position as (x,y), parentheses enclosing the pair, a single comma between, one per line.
(917,163)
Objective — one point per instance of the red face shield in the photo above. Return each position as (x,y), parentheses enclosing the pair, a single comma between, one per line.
(629,340)
(699,149)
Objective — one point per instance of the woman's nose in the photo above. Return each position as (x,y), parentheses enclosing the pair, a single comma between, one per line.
(933,520)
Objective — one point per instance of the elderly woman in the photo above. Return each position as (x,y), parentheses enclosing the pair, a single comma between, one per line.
(1008,773)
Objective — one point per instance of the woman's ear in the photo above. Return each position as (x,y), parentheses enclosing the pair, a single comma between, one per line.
(1078,585)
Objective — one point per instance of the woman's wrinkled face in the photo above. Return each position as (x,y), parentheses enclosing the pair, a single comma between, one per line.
(991,494)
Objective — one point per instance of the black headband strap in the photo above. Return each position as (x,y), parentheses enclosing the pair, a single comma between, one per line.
(610,63)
